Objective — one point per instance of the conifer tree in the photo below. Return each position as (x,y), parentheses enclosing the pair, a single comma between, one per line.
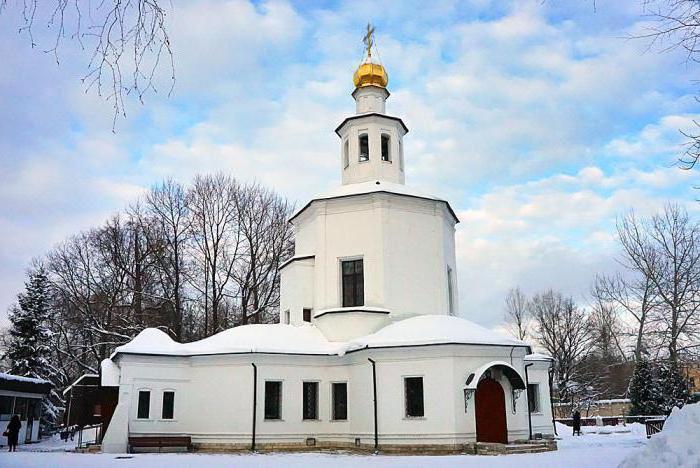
(674,387)
(643,391)
(28,349)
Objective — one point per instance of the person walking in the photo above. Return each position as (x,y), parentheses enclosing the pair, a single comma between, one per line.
(577,422)
(12,433)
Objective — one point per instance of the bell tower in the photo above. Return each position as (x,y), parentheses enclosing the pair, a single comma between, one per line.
(371,146)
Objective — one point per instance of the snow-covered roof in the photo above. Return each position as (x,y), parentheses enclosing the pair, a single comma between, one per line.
(276,338)
(433,329)
(373,186)
(538,357)
(307,339)
(79,381)
(18,378)
(18,383)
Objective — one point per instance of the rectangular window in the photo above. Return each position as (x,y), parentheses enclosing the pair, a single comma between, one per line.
(400,155)
(533,397)
(340,401)
(353,283)
(21,408)
(385,147)
(6,405)
(273,400)
(413,389)
(450,291)
(364,147)
(307,315)
(144,408)
(346,154)
(97,411)
(310,400)
(168,405)
(286,317)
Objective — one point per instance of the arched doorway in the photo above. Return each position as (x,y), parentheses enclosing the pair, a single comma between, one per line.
(490,402)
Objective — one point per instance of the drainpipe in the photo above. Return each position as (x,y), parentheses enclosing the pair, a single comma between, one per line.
(527,393)
(255,402)
(374,387)
(550,371)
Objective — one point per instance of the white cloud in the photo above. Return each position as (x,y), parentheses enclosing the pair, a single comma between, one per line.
(537,129)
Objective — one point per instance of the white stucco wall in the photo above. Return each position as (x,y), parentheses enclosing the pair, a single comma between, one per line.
(213,396)
(406,243)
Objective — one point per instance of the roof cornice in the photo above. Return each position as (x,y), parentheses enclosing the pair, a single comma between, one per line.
(370,114)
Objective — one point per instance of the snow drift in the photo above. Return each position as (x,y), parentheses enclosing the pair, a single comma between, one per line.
(676,445)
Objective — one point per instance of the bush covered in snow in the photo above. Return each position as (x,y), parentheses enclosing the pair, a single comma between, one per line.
(677,445)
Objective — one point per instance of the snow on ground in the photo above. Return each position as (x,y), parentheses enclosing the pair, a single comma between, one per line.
(676,445)
(589,450)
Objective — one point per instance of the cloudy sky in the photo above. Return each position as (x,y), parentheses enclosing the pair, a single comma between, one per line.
(539,121)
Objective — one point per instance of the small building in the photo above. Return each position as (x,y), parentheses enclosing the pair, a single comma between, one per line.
(22,396)
(88,403)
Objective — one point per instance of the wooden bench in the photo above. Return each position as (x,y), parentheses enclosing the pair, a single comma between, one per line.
(160,442)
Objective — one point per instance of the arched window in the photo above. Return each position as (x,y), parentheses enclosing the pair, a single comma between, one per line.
(364,147)
(386,140)
(346,154)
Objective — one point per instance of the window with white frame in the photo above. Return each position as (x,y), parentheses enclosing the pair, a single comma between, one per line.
(353,282)
(273,400)
(450,292)
(168,410)
(144,406)
(339,396)
(413,394)
(386,147)
(363,143)
(346,154)
(533,397)
(286,317)
(310,403)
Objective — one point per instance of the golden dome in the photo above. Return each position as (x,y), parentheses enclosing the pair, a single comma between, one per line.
(370,74)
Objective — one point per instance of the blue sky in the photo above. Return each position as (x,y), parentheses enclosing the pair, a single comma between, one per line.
(540,122)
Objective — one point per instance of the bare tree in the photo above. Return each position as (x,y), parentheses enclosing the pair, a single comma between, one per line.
(666,250)
(213,202)
(635,298)
(127,40)
(564,331)
(517,314)
(266,241)
(167,208)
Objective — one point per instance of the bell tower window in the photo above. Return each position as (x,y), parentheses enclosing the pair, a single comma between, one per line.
(346,154)
(386,140)
(364,147)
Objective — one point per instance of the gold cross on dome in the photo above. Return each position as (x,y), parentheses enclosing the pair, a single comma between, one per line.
(368,40)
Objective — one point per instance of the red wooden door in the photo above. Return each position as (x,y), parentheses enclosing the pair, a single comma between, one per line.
(490,405)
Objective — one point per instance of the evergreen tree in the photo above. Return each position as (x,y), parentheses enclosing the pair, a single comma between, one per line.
(674,387)
(28,351)
(643,390)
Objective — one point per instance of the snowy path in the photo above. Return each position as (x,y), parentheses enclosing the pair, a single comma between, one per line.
(587,451)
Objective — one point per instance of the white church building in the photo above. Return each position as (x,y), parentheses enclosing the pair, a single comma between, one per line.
(370,351)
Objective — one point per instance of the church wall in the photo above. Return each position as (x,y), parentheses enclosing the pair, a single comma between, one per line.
(407,245)
(213,399)
(416,261)
(542,420)
(297,289)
